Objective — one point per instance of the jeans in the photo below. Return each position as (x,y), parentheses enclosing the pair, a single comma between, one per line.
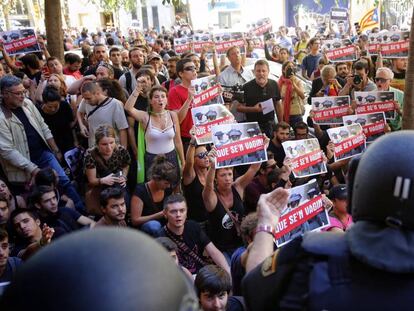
(48,159)
(152,228)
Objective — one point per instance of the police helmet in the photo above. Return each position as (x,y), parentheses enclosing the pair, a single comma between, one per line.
(101,269)
(389,198)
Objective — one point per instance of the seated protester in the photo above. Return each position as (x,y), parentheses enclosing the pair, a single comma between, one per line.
(358,81)
(213,286)
(239,258)
(29,236)
(113,207)
(14,201)
(301,131)
(62,219)
(223,199)
(328,84)
(340,219)
(147,202)
(8,265)
(191,240)
(172,249)
(106,165)
(4,213)
(58,115)
(48,177)
(280,134)
(259,184)
(73,63)
(194,179)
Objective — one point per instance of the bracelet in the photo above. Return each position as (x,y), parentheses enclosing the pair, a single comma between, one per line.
(266,228)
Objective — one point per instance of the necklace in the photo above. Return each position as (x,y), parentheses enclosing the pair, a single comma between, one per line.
(163,119)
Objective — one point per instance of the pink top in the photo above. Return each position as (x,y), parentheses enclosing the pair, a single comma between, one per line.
(336,223)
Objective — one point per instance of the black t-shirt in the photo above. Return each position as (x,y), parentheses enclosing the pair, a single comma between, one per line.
(150,207)
(34,140)
(64,221)
(254,93)
(193,195)
(194,238)
(222,230)
(60,125)
(279,153)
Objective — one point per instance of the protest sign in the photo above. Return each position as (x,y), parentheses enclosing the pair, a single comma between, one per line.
(207,91)
(382,101)
(330,109)
(374,43)
(183,45)
(204,117)
(224,41)
(339,14)
(202,40)
(373,124)
(20,41)
(238,144)
(267,106)
(340,50)
(304,212)
(395,44)
(349,141)
(306,157)
(261,26)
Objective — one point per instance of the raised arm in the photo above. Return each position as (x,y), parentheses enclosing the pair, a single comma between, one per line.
(209,195)
(188,171)
(177,139)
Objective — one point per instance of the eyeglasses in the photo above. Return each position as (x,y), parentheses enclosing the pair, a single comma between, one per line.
(21,93)
(382,80)
(190,68)
(202,155)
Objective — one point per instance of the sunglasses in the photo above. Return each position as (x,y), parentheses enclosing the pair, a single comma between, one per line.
(190,68)
(202,155)
(382,80)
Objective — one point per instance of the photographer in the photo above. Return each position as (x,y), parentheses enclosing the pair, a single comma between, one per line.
(234,75)
(358,81)
(291,90)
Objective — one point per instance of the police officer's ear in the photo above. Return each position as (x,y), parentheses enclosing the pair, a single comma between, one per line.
(353,165)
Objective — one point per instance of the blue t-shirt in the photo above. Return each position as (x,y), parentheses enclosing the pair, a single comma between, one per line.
(12,264)
(237,271)
(310,63)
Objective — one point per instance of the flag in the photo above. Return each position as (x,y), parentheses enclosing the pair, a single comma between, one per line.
(369,20)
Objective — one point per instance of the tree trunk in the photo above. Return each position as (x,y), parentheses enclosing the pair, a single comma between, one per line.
(53,24)
(408,108)
(6,7)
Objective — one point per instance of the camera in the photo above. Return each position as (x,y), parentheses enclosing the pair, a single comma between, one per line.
(357,79)
(267,36)
(236,92)
(289,72)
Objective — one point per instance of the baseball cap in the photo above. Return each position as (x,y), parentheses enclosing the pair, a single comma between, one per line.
(154,55)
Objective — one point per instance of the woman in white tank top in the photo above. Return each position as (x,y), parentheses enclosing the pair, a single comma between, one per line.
(162,128)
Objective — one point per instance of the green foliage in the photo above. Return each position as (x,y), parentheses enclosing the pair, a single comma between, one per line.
(175,3)
(115,5)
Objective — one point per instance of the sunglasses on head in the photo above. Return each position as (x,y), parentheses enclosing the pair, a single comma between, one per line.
(190,68)
(202,155)
(382,80)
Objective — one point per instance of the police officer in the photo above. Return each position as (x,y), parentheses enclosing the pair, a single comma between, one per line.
(369,267)
(103,269)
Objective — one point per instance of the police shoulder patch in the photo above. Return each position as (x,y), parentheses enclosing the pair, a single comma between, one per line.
(269,265)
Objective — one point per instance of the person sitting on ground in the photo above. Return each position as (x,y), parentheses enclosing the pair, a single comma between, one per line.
(113,208)
(339,218)
(106,165)
(190,239)
(62,219)
(213,286)
(29,235)
(147,202)
(8,265)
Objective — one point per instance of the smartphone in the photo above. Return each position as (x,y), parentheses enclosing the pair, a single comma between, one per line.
(45,72)
(118,174)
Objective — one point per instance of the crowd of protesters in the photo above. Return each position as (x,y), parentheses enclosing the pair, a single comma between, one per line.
(107,139)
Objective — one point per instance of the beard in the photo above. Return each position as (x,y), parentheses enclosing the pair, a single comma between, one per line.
(125,64)
(136,66)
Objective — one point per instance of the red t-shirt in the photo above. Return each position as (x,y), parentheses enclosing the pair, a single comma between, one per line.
(176,98)
(76,74)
